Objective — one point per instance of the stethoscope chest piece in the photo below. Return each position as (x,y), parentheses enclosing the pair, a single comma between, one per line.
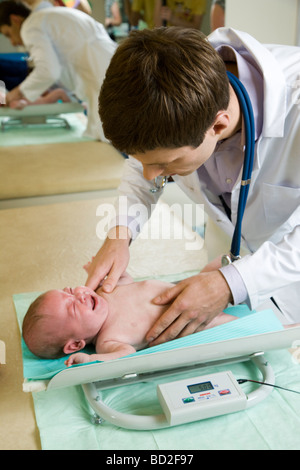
(228,259)
(158,184)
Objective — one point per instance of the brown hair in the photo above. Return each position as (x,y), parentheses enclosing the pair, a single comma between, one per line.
(8,8)
(42,345)
(163,89)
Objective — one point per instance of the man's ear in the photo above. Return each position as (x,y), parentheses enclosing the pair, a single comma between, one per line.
(73,345)
(16,20)
(221,122)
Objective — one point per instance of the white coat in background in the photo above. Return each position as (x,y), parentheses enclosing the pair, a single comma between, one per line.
(271,223)
(69,47)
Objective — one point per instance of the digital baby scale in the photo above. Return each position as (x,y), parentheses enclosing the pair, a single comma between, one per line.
(201,397)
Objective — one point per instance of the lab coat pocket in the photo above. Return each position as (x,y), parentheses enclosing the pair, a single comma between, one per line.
(280,203)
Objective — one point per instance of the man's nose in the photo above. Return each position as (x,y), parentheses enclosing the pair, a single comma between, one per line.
(151,173)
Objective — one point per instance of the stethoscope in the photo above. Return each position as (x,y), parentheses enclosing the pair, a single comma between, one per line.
(246,108)
(247,112)
(158,184)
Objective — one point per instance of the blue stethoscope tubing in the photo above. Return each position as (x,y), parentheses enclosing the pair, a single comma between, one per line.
(248,117)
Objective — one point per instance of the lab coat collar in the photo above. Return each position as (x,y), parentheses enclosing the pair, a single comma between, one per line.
(274,80)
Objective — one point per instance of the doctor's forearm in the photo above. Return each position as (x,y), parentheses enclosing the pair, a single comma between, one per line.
(45,74)
(33,89)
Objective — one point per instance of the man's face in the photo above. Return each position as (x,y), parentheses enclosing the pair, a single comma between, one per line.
(12,31)
(179,161)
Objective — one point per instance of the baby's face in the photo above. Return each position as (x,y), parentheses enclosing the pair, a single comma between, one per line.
(78,310)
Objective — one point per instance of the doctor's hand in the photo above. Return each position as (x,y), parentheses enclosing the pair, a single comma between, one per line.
(111,261)
(14,94)
(196,301)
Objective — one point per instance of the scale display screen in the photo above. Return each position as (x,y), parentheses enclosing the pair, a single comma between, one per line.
(201,387)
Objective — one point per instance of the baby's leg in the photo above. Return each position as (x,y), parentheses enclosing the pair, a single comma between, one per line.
(220,320)
(53,96)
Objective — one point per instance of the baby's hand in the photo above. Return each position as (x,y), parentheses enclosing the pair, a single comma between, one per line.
(78,358)
(88,264)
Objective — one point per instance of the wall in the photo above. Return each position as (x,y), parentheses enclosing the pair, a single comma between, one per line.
(98,10)
(5,45)
(269,21)
(98,14)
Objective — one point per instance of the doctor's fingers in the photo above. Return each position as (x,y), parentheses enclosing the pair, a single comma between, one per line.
(108,263)
(95,279)
(185,324)
(169,294)
(97,271)
(106,277)
(112,278)
(172,322)
(179,305)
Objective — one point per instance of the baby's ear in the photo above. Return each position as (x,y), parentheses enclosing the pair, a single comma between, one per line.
(73,346)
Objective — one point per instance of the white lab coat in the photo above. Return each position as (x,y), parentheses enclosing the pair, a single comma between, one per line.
(69,47)
(271,224)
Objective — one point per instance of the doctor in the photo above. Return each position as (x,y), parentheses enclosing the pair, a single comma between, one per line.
(175,112)
(65,45)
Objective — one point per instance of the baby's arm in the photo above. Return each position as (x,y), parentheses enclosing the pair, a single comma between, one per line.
(109,350)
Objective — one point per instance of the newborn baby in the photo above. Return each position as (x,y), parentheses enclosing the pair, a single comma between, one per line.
(62,322)
(58,94)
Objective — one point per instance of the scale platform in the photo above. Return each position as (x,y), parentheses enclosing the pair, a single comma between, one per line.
(38,115)
(95,377)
